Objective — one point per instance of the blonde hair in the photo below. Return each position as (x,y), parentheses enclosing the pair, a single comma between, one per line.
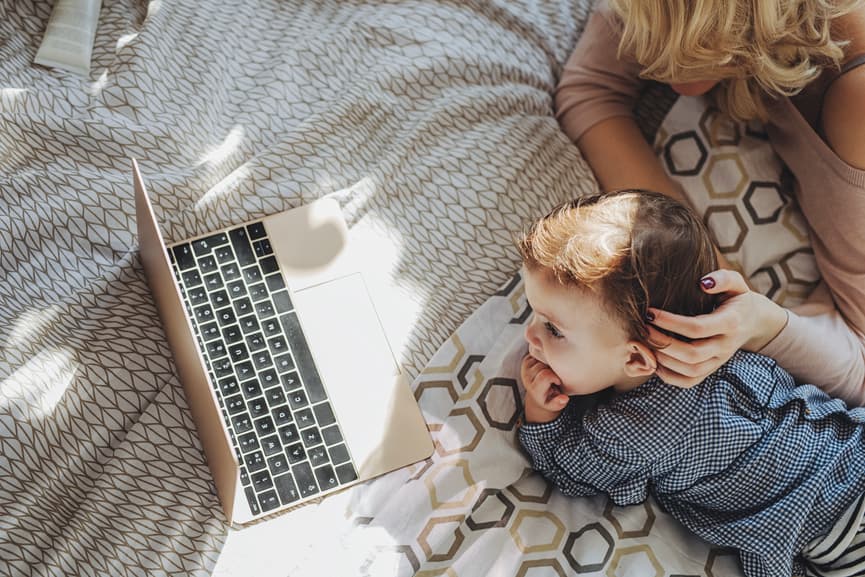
(757,48)
(632,248)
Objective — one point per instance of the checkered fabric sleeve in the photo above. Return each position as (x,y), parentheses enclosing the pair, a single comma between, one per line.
(581,462)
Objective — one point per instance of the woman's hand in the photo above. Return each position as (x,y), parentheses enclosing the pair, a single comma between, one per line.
(544,397)
(744,320)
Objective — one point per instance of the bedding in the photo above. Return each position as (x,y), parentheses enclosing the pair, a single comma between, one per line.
(431,123)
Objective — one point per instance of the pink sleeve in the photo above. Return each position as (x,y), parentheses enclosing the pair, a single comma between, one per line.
(595,84)
(817,346)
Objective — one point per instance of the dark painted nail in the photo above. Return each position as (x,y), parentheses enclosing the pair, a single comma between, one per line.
(708,282)
(650,316)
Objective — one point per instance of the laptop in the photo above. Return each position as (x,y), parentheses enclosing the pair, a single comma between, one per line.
(293,387)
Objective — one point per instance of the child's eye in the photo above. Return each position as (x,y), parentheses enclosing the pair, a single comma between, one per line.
(551,328)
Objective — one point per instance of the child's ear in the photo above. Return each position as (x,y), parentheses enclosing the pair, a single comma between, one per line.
(641,360)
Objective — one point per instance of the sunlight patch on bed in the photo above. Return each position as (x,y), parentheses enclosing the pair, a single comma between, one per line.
(98,86)
(41,381)
(224,149)
(222,188)
(32,324)
(9,96)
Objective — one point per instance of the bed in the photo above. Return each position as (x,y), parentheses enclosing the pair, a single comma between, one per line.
(431,123)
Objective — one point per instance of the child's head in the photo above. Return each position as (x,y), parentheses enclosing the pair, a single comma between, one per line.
(755,48)
(593,268)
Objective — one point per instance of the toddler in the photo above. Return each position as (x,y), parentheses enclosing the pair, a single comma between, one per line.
(745,459)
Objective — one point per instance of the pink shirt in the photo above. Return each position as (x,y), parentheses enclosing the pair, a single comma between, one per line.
(823,340)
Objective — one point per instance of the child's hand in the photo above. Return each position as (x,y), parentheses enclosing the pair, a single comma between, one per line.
(544,397)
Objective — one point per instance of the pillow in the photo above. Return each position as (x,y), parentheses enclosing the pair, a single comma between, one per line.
(744,193)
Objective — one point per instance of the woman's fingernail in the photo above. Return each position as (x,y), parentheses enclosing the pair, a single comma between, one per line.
(650,316)
(708,282)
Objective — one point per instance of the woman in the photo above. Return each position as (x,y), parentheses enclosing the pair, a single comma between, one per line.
(796,65)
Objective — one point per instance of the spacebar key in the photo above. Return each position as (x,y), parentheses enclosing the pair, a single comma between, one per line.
(303,358)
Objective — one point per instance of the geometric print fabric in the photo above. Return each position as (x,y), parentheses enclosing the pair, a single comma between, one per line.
(432,125)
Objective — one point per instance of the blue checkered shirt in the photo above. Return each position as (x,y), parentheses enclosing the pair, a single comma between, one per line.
(746,459)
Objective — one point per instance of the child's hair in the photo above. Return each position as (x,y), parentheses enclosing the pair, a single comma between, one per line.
(757,48)
(632,248)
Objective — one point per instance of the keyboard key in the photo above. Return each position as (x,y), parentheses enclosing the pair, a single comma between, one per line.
(305,480)
(304,418)
(231,334)
(244,476)
(326,478)
(252,274)
(297,399)
(288,434)
(261,481)
(203,313)
(331,435)
(271,327)
(251,388)
(243,307)
(249,324)
(256,342)
(275,282)
(311,437)
(196,296)
(213,281)
(277,345)
(284,363)
(269,265)
(238,352)
(228,386)
(258,291)
(278,464)
(324,414)
(207,264)
(262,248)
(346,473)
(282,302)
(268,500)
(281,416)
(242,248)
(306,366)
(261,360)
(295,453)
(268,378)
(264,309)
(244,370)
(183,256)
(265,426)
(290,381)
(241,424)
(222,367)
(216,349)
(235,404)
(286,489)
(230,271)
(275,397)
(253,501)
(248,442)
(338,454)
(225,317)
(258,408)
(317,456)
(224,254)
(236,289)
(256,230)
(271,445)
(254,461)
(219,299)
(209,331)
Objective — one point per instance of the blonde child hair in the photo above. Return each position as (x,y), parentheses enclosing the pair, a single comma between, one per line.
(757,48)
(634,249)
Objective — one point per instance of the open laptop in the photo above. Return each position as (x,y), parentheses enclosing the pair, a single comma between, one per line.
(292,384)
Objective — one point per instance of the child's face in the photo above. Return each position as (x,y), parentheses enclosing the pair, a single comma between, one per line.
(572,333)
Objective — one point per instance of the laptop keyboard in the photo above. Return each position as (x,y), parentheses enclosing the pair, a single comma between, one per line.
(276,409)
